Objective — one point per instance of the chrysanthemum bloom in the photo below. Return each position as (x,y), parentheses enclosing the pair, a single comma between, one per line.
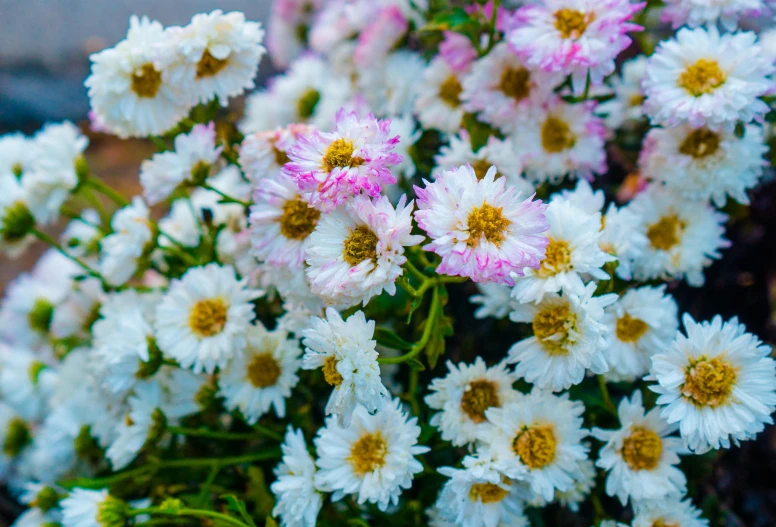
(574,249)
(297,500)
(16,219)
(136,87)
(642,322)
(203,318)
(284,40)
(573,37)
(672,511)
(696,13)
(194,153)
(221,53)
(386,28)
(495,300)
(345,350)
(625,109)
(281,222)
(477,495)
(703,164)
(121,250)
(558,140)
(537,439)
(622,236)
(499,86)
(717,383)
(354,158)
(684,236)
(481,228)
(439,97)
(569,337)
(264,153)
(640,457)
(390,87)
(356,252)
(463,396)
(93,508)
(373,458)
(703,78)
(263,376)
(457,50)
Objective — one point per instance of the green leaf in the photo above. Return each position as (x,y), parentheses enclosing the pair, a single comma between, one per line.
(479,132)
(447,20)
(258,493)
(416,365)
(270,522)
(235,504)
(389,339)
(436,344)
(415,305)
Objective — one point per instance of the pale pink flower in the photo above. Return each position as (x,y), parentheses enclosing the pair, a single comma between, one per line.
(457,50)
(380,36)
(283,37)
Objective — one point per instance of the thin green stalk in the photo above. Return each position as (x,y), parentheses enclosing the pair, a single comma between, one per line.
(189,512)
(263,430)
(213,434)
(404,284)
(42,236)
(414,271)
(205,490)
(227,198)
(108,191)
(95,202)
(605,395)
(433,312)
(492,31)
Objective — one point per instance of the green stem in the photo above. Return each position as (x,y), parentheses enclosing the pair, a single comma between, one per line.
(226,197)
(266,432)
(404,284)
(94,201)
(433,312)
(492,31)
(108,191)
(414,271)
(213,434)
(356,521)
(605,395)
(205,490)
(190,512)
(42,236)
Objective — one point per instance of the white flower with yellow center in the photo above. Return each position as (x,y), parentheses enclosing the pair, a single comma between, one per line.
(121,250)
(297,500)
(623,237)
(495,300)
(640,457)
(684,236)
(390,86)
(574,251)
(264,153)
(263,376)
(537,439)
(703,78)
(572,498)
(696,13)
(439,98)
(221,52)
(718,383)
(625,109)
(672,512)
(135,87)
(465,394)
(345,350)
(203,318)
(642,322)
(569,337)
(703,164)
(16,219)
(373,458)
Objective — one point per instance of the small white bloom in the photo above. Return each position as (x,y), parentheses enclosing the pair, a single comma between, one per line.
(82,235)
(625,109)
(439,98)
(390,86)
(495,300)
(672,511)
(297,500)
(121,250)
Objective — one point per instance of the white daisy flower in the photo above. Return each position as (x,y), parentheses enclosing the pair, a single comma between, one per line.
(345,350)
(135,87)
(557,139)
(18,154)
(373,458)
(569,337)
(15,434)
(297,499)
(625,108)
(672,511)
(537,439)
(579,492)
(76,313)
(180,224)
(439,97)
(696,13)
(140,422)
(477,496)
(221,52)
(703,78)
(292,286)
(623,237)
(356,252)
(717,383)
(403,126)
(500,87)
(82,235)
(191,159)
(264,153)
(702,164)
(643,322)
(495,300)
(16,219)
(463,396)
(121,251)
(684,236)
(263,376)
(390,86)
(640,457)
(37,518)
(574,251)
(202,320)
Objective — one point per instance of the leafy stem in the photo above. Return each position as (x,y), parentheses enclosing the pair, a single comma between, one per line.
(433,312)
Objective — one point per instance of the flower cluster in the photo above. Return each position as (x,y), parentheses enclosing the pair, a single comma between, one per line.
(258,338)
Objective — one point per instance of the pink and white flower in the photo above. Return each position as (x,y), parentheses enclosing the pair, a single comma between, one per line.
(264,153)
(457,50)
(355,157)
(380,36)
(481,228)
(696,13)
(283,39)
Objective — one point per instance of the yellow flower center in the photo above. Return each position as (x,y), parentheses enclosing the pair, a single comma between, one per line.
(330,373)
(700,143)
(551,327)
(487,221)
(305,105)
(340,154)
(557,259)
(709,382)
(641,450)
(535,446)
(368,453)
(557,135)
(636,100)
(208,317)
(298,219)
(146,81)
(630,329)
(572,23)
(359,246)
(478,397)
(704,76)
(666,233)
(208,65)
(660,522)
(281,158)
(515,83)
(450,91)
(264,370)
(487,493)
